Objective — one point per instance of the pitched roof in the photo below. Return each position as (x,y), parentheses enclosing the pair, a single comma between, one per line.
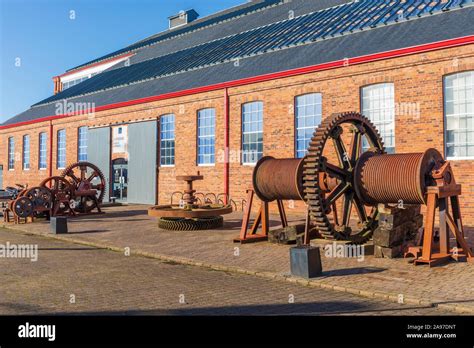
(349,30)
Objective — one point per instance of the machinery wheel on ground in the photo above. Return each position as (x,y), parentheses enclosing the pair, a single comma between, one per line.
(62,191)
(42,199)
(23,207)
(329,181)
(85,176)
(181,224)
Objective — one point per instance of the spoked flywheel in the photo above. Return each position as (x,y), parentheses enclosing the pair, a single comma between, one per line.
(86,177)
(329,180)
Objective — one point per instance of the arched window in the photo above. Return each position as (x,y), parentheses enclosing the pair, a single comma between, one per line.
(308,113)
(252,132)
(459,115)
(26,152)
(82,144)
(378,104)
(206,136)
(167,144)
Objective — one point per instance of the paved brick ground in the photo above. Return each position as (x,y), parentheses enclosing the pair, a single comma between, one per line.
(107,282)
(450,286)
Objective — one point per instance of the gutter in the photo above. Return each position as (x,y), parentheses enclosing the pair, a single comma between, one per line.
(465,40)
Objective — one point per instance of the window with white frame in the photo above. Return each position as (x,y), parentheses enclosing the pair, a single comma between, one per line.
(42,151)
(252,132)
(206,136)
(459,114)
(11,153)
(378,104)
(26,152)
(82,144)
(71,83)
(308,113)
(61,159)
(167,143)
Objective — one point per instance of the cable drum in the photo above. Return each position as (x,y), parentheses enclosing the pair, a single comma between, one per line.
(395,178)
(278,179)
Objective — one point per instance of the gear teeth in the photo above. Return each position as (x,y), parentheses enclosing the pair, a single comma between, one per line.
(179,224)
(312,168)
(92,166)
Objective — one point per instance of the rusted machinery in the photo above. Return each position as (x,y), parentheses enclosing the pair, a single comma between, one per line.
(273,180)
(79,189)
(418,178)
(188,215)
(356,174)
(88,184)
(324,179)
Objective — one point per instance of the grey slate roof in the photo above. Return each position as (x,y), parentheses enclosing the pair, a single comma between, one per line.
(231,21)
(451,24)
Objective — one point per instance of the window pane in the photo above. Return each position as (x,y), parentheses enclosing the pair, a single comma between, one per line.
(252,132)
(26,152)
(167,142)
(206,136)
(11,153)
(82,144)
(42,151)
(61,153)
(308,117)
(378,104)
(459,114)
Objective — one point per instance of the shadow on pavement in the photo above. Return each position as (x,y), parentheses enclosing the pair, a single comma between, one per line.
(311,308)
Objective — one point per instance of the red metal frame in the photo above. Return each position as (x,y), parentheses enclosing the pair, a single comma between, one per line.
(268,77)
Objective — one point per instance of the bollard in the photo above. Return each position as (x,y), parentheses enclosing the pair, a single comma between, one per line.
(305,261)
(58,224)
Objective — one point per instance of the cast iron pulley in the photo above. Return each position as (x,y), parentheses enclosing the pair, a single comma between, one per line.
(62,191)
(86,178)
(329,176)
(23,207)
(40,196)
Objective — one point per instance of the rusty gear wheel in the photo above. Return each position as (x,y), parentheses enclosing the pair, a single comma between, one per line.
(325,183)
(61,190)
(40,196)
(85,175)
(23,207)
(180,224)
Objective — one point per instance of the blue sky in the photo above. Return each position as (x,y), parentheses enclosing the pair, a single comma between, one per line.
(40,37)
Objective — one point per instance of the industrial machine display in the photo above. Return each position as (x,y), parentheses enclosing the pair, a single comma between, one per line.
(79,189)
(356,174)
(188,215)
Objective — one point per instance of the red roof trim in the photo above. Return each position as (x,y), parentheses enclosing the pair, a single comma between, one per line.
(261,78)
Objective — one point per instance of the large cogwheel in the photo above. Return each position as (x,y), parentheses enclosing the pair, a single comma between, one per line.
(85,175)
(326,182)
(181,224)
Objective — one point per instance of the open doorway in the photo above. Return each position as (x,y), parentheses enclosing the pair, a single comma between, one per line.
(120,179)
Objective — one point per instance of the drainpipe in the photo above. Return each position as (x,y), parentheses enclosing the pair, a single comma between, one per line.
(50,148)
(226,145)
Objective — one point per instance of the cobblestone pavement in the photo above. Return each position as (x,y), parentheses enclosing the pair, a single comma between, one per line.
(448,286)
(108,282)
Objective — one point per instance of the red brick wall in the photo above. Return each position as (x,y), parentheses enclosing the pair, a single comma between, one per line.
(417,79)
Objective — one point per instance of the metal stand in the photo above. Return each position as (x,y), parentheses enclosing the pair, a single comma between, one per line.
(437,198)
(261,219)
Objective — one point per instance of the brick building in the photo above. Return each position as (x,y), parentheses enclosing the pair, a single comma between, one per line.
(214,94)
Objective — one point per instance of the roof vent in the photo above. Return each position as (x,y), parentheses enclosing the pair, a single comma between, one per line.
(183,18)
